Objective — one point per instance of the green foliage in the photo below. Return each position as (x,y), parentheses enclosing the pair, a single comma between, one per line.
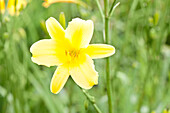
(140,68)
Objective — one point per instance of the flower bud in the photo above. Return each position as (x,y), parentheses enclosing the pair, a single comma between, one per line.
(6,35)
(150,19)
(86,104)
(156,18)
(22,33)
(6,19)
(42,24)
(62,20)
(153,33)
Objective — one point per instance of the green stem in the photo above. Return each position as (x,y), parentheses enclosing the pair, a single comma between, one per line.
(113,7)
(108,78)
(100,8)
(92,100)
(106,17)
(113,4)
(106,4)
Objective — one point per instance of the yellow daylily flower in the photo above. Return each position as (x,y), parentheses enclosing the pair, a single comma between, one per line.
(2,6)
(47,3)
(14,6)
(70,50)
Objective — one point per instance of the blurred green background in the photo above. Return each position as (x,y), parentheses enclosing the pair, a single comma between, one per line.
(140,68)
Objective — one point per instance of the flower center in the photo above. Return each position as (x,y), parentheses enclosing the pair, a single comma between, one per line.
(72,53)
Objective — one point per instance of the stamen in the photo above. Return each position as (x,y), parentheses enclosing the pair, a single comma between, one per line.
(72,53)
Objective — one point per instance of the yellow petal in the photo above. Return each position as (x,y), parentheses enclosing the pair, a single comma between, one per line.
(16,8)
(79,32)
(11,7)
(47,52)
(99,50)
(55,30)
(59,79)
(21,4)
(2,6)
(83,72)
(47,3)
(166,111)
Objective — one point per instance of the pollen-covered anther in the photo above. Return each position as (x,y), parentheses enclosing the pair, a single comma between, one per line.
(72,53)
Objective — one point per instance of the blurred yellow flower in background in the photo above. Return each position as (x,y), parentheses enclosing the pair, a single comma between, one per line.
(47,3)
(70,50)
(15,6)
(2,6)
(166,111)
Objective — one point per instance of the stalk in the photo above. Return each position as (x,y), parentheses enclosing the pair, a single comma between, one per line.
(91,99)
(106,18)
(106,34)
(100,8)
(108,78)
